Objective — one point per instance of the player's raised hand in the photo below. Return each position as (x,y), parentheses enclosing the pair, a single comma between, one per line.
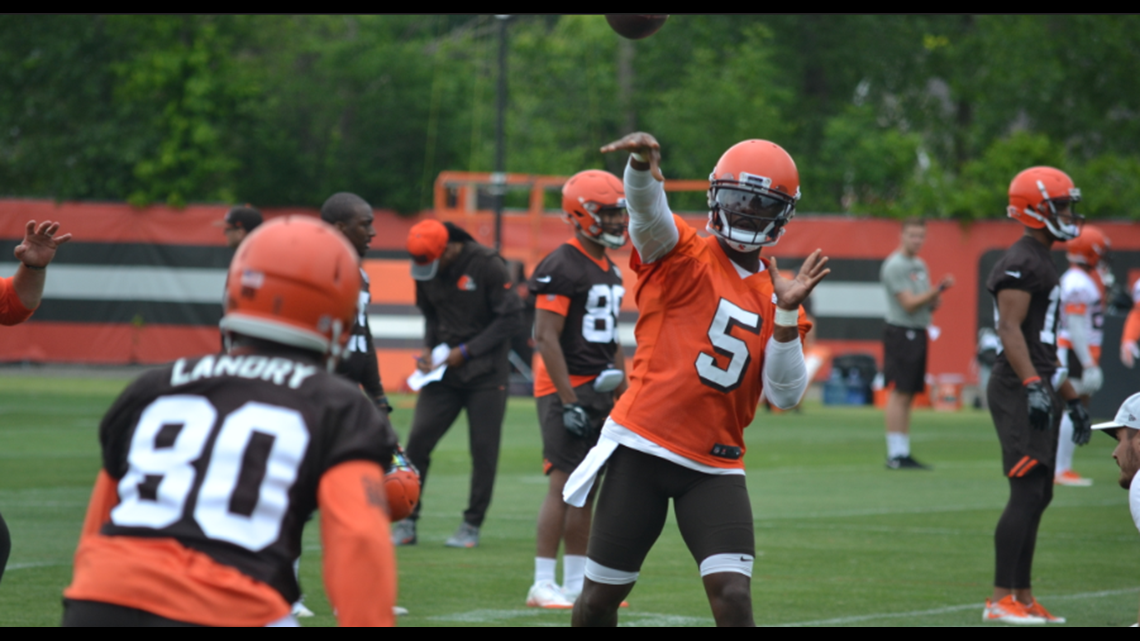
(40,243)
(791,292)
(643,144)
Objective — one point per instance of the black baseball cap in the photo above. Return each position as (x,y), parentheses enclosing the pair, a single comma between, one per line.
(242,216)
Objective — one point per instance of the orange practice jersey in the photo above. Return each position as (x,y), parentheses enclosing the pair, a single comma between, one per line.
(701,333)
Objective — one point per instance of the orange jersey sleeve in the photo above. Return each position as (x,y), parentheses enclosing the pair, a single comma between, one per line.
(359,564)
(104,498)
(556,303)
(12,311)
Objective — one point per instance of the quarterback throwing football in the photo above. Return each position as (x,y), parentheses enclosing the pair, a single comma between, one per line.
(714,330)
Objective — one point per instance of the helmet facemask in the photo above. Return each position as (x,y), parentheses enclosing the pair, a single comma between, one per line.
(1059,213)
(747,213)
(611,236)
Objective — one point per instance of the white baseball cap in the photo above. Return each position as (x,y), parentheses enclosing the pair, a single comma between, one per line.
(1127,416)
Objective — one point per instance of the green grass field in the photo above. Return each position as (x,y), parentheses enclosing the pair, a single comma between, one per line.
(840,539)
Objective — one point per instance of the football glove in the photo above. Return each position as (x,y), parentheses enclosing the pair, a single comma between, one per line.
(1082,424)
(1091,380)
(1040,405)
(381,403)
(575,420)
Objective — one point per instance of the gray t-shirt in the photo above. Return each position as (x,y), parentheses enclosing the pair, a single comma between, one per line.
(902,274)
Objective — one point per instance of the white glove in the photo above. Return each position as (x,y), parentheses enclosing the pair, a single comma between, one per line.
(1091,380)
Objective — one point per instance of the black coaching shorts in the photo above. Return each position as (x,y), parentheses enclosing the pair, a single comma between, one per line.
(561,450)
(1022,447)
(904,358)
(713,511)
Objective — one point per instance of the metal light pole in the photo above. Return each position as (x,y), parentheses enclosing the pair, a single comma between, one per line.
(499,177)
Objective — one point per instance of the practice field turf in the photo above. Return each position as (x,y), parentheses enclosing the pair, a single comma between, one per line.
(841,540)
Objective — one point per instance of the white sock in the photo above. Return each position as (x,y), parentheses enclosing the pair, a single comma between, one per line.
(1065,445)
(573,572)
(544,569)
(898,445)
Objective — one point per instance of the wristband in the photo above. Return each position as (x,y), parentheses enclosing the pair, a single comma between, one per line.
(1031,380)
(787,317)
(638,157)
(463,350)
(34,267)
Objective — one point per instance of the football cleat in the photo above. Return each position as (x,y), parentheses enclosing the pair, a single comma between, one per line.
(1008,610)
(399,612)
(1071,479)
(1038,610)
(905,463)
(549,596)
(467,536)
(404,533)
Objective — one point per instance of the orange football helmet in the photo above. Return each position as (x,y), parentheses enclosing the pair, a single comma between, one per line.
(1045,198)
(753,192)
(587,193)
(1090,248)
(295,281)
(402,485)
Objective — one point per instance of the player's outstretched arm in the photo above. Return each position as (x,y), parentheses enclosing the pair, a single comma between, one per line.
(644,145)
(791,293)
(35,253)
(359,564)
(651,226)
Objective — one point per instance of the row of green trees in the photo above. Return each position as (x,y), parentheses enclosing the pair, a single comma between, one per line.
(885,115)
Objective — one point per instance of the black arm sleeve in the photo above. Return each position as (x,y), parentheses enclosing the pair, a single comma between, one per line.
(370,377)
(431,321)
(504,303)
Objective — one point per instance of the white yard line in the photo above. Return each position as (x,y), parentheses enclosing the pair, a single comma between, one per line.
(953,608)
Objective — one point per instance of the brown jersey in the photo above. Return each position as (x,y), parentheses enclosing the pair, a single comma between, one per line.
(701,334)
(1028,266)
(588,293)
(223,455)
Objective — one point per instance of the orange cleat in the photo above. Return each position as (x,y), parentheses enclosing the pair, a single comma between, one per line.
(1008,610)
(1038,610)
(1072,479)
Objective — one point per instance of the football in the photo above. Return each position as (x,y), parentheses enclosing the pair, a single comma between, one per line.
(636,26)
(403,488)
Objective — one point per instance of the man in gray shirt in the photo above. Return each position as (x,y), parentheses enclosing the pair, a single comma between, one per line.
(910,301)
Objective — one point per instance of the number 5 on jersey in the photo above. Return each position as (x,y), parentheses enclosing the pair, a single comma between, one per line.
(727,316)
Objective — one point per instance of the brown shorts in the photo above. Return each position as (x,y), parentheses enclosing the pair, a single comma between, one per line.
(561,450)
(713,511)
(1022,447)
(904,358)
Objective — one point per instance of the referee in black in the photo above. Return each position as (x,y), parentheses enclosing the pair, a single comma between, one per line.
(464,291)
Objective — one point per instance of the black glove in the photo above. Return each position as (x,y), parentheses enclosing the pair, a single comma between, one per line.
(381,403)
(575,420)
(1040,405)
(1082,424)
